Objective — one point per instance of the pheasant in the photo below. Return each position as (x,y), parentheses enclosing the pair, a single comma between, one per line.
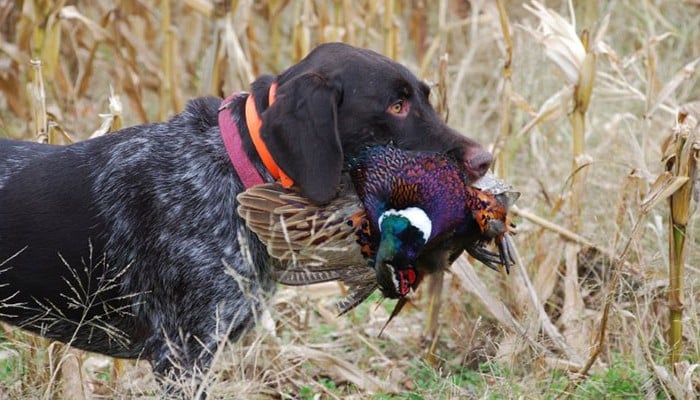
(410,213)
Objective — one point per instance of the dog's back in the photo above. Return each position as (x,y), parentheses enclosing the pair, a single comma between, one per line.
(105,240)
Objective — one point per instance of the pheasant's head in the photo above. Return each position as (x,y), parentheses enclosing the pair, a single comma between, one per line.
(403,235)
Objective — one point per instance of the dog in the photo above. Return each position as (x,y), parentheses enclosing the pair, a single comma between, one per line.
(129,244)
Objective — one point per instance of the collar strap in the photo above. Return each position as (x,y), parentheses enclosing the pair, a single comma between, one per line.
(245,169)
(254,124)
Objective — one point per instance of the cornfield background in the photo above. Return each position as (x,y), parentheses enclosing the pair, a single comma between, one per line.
(588,107)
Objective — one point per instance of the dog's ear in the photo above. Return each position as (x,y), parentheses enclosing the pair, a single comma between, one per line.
(300,130)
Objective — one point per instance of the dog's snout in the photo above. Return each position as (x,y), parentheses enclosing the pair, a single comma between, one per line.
(478,162)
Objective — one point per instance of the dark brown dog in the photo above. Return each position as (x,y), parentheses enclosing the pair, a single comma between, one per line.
(129,244)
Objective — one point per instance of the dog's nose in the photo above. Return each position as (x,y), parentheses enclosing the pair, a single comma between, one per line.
(478,162)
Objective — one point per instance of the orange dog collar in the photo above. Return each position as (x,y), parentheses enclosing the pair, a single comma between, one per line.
(254,124)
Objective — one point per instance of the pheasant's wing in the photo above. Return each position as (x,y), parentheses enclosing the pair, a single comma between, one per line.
(304,276)
(313,244)
(301,235)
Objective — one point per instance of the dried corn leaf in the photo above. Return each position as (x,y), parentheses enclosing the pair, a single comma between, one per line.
(473,284)
(17,54)
(71,12)
(665,185)
(72,382)
(574,327)
(554,107)
(341,369)
(203,7)
(86,71)
(138,45)
(685,73)
(680,388)
(547,271)
(13,90)
(51,46)
(111,121)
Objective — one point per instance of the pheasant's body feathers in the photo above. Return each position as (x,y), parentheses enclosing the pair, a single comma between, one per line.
(387,177)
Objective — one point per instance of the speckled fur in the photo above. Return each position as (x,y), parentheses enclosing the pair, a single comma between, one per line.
(190,226)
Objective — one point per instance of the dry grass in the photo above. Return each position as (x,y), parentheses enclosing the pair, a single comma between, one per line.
(581,138)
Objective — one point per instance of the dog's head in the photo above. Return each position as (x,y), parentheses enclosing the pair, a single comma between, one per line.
(340,99)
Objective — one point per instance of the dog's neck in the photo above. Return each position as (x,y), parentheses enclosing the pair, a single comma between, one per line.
(254,123)
(233,140)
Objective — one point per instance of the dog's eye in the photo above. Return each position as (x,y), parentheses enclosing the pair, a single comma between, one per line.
(399,108)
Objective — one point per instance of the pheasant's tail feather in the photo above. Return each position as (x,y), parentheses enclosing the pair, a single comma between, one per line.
(361,281)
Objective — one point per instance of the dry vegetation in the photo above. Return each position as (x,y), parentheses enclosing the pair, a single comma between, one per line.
(582,127)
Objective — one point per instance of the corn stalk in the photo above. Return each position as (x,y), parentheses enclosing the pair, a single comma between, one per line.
(582,98)
(575,57)
(681,152)
(41,122)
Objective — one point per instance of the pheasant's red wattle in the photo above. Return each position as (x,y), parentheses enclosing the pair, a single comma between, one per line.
(407,277)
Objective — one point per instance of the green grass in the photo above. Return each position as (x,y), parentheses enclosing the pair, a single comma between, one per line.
(622,380)
(9,369)
(448,382)
(11,365)
(322,386)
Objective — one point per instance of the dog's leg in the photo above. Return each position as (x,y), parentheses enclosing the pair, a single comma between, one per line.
(182,361)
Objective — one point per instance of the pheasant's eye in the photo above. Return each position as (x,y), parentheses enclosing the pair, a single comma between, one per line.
(399,108)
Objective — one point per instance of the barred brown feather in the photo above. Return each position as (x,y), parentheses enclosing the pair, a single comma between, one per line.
(314,244)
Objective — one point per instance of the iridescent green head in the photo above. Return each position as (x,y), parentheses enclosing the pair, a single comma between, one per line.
(403,235)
